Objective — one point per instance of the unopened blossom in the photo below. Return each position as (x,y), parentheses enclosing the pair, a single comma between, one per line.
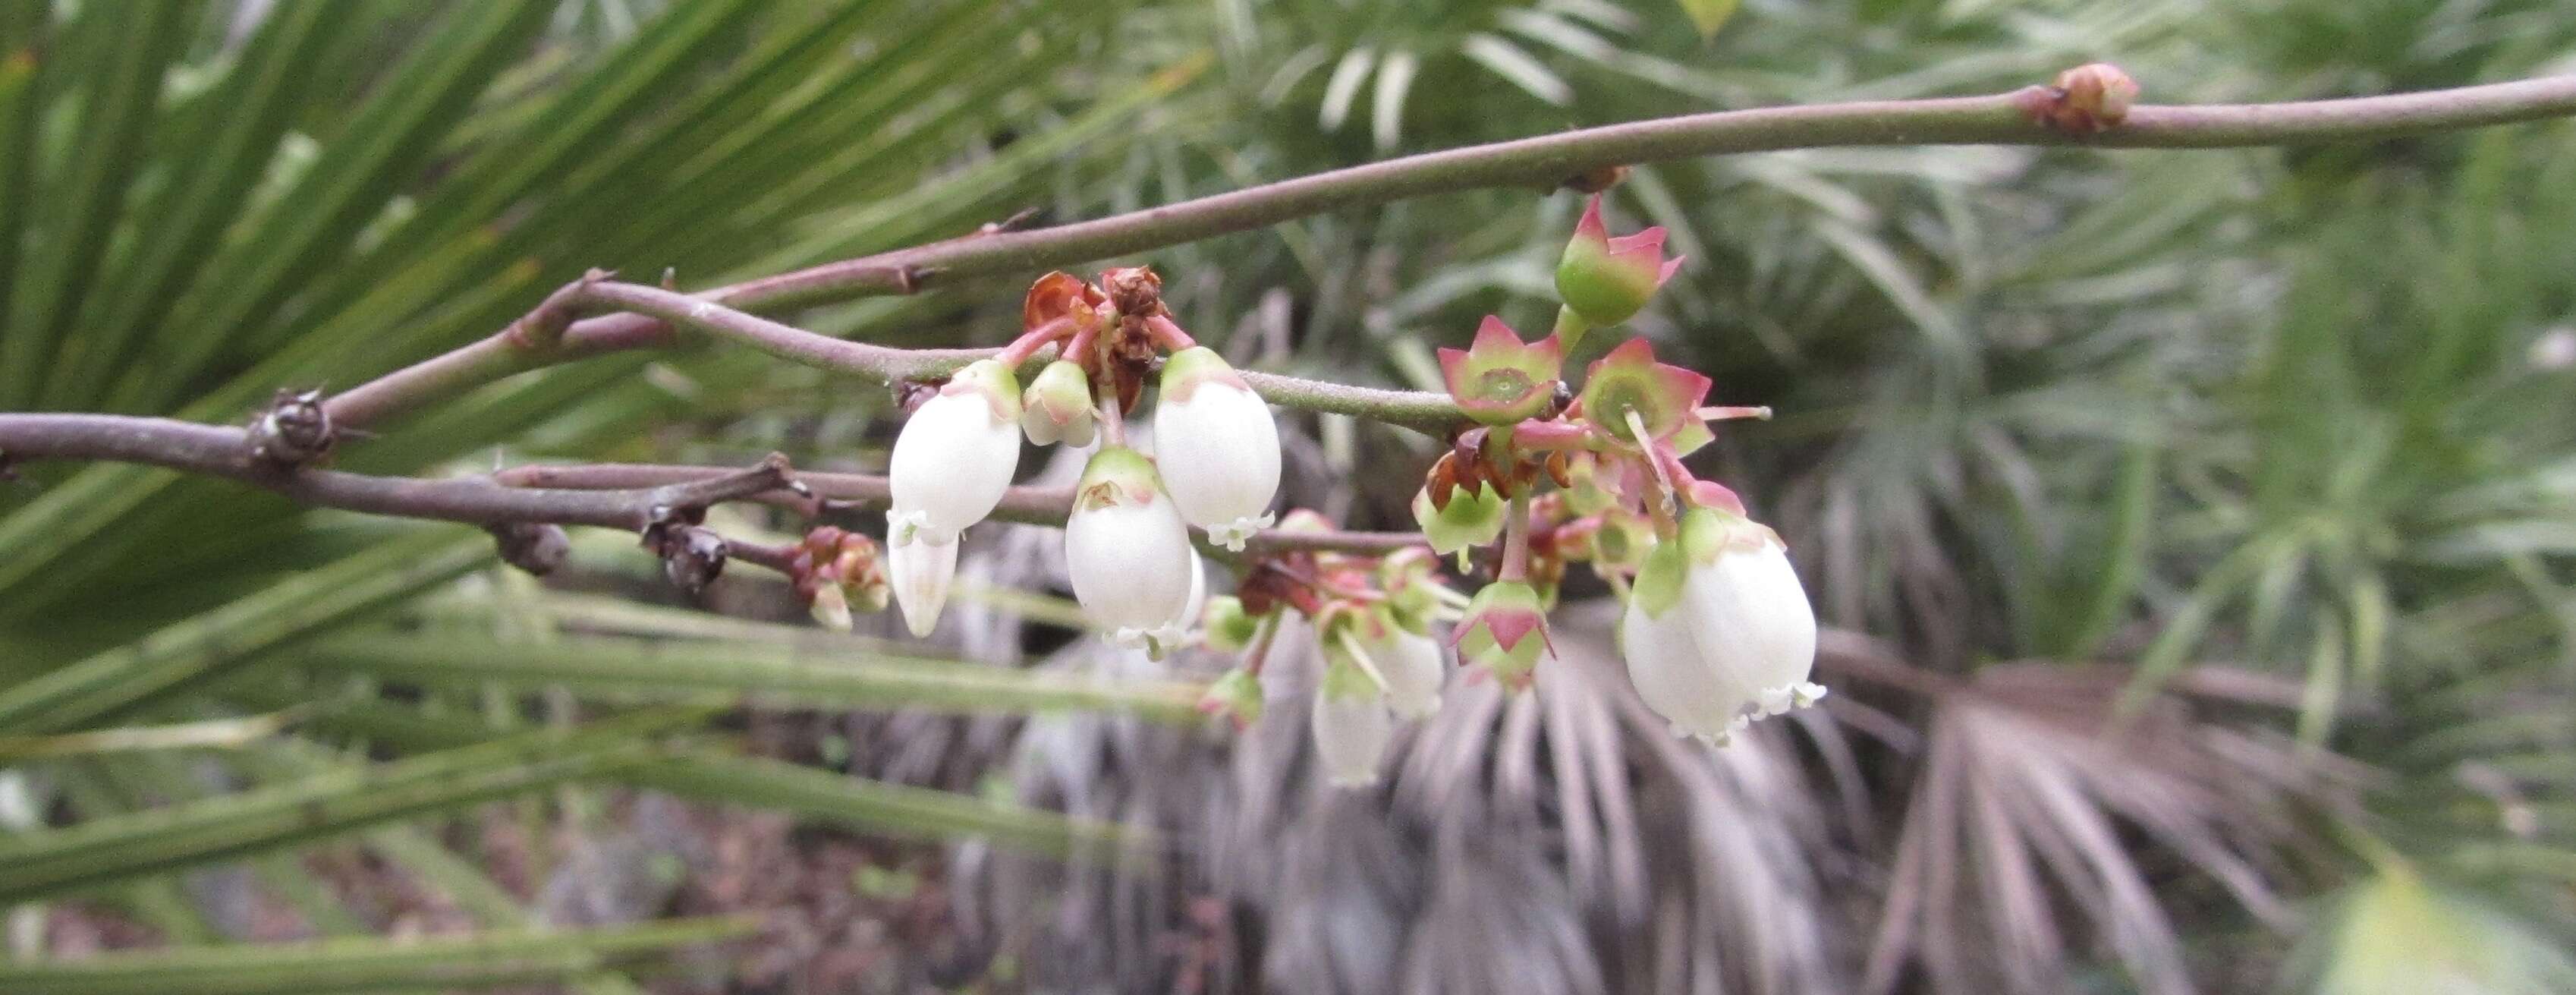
(1057,406)
(830,608)
(920,571)
(956,454)
(1128,551)
(1504,629)
(839,571)
(1351,724)
(1217,447)
(1717,630)
(1234,696)
(1605,280)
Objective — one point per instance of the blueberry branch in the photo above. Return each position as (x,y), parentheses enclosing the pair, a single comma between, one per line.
(2090,106)
(223,451)
(625,496)
(2067,114)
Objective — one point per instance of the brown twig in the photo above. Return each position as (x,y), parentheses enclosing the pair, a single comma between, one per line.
(628,496)
(224,451)
(2037,115)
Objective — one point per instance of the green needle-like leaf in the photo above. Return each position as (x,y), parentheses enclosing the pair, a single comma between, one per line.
(664,670)
(83,692)
(877,807)
(119,94)
(444,963)
(123,848)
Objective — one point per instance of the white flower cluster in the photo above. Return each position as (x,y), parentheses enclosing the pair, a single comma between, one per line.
(1127,545)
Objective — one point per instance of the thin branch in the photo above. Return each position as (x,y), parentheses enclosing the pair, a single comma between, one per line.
(1024,504)
(1541,163)
(625,496)
(1032,505)
(222,451)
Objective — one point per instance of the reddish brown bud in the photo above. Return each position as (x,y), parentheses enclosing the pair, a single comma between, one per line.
(1596,179)
(2088,99)
(1134,290)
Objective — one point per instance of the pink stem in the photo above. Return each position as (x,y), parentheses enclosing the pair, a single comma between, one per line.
(1516,540)
(1168,335)
(1545,435)
(1029,342)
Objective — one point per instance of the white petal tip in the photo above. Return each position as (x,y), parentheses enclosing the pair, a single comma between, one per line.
(1233,535)
(922,621)
(1718,739)
(1350,781)
(904,528)
(1787,697)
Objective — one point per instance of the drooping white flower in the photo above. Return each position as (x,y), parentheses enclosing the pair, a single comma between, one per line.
(1718,631)
(1217,446)
(1128,552)
(920,571)
(1351,724)
(1414,668)
(1196,607)
(956,454)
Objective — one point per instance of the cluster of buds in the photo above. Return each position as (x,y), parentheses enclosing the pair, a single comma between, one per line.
(1374,619)
(836,570)
(1716,630)
(1127,544)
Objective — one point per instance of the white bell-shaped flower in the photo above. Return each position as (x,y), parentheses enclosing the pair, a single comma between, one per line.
(920,571)
(1718,631)
(1414,667)
(1217,446)
(1128,552)
(1351,724)
(956,454)
(1196,607)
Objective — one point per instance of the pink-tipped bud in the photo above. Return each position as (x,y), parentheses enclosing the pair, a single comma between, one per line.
(1608,280)
(1235,697)
(1503,631)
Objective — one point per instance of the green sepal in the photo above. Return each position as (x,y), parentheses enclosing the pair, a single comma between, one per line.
(1659,579)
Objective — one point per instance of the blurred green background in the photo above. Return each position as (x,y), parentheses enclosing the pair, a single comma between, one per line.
(2196,525)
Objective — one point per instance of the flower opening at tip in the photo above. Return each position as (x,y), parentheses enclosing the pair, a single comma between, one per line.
(1234,535)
